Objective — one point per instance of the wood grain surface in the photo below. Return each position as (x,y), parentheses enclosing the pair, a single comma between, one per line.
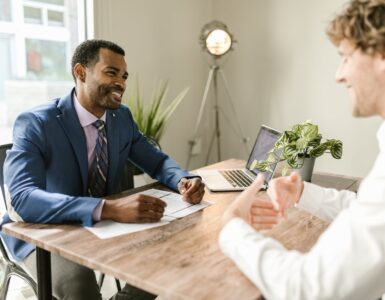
(181,260)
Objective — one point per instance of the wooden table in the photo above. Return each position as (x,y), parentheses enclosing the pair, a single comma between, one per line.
(181,260)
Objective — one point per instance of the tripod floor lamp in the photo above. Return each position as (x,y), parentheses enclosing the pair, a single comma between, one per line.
(217,41)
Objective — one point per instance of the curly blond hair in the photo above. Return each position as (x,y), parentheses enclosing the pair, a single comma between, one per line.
(361,22)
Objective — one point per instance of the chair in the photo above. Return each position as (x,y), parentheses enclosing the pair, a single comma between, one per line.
(11,268)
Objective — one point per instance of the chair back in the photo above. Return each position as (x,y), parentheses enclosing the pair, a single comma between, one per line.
(12,268)
(3,153)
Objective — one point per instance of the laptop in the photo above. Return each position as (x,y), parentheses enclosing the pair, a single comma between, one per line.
(239,179)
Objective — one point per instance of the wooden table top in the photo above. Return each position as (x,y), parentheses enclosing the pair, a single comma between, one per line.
(181,260)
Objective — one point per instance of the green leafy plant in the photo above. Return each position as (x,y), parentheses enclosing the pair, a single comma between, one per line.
(151,120)
(302,141)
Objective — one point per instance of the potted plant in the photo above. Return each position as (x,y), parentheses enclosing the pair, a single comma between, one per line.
(299,147)
(151,117)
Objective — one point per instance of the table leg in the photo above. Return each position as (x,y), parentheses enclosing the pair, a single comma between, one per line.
(44,282)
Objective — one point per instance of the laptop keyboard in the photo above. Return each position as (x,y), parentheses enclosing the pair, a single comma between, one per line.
(237,178)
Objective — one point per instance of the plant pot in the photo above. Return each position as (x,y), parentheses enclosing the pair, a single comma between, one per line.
(307,169)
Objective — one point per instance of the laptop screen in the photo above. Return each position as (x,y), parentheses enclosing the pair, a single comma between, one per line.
(264,143)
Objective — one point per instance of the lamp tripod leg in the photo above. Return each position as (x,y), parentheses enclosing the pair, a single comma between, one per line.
(240,131)
(216,116)
(210,147)
(201,110)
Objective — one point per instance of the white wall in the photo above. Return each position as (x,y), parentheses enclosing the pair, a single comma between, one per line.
(280,73)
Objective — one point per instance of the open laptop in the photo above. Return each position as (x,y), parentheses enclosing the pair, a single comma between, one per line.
(240,179)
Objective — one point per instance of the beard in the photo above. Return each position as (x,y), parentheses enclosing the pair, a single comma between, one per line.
(104,98)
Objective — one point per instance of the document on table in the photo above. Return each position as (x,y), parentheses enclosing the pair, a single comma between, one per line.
(176,208)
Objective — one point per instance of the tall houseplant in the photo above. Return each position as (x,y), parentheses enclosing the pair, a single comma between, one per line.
(151,117)
(302,144)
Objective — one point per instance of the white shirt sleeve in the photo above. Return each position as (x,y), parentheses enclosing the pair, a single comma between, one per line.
(325,203)
(347,262)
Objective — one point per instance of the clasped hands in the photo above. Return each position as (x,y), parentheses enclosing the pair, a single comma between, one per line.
(263,211)
(139,208)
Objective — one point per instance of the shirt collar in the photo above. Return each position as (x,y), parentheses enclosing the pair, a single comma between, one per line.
(85,117)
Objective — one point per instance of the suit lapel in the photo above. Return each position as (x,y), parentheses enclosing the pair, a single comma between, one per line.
(113,149)
(71,125)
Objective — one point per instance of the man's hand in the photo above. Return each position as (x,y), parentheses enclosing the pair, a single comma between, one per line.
(191,189)
(284,192)
(259,212)
(136,208)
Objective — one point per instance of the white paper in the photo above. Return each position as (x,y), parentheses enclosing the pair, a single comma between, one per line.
(176,208)
(107,228)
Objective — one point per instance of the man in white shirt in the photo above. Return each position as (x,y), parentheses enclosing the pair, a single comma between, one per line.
(348,261)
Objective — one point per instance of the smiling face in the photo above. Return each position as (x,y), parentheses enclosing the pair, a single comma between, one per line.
(364,76)
(101,85)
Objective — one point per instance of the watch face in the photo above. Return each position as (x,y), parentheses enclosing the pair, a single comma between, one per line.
(218,42)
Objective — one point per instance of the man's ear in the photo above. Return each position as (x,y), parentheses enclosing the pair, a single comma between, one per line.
(80,72)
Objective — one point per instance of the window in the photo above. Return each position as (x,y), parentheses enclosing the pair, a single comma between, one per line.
(42,58)
(55,18)
(37,38)
(38,12)
(5,70)
(5,10)
(57,2)
(32,15)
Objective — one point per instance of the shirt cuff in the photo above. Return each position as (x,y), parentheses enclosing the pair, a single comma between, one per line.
(311,198)
(97,213)
(234,233)
(190,177)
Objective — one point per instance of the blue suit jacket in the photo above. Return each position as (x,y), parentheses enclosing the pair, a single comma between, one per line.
(46,171)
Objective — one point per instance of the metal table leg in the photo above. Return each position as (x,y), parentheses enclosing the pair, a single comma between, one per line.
(44,282)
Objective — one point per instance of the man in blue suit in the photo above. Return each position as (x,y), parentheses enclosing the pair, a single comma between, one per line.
(69,154)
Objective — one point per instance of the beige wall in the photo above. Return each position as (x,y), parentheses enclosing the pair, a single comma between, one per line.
(161,42)
(281,72)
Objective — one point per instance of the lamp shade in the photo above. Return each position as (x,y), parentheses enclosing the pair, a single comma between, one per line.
(216,39)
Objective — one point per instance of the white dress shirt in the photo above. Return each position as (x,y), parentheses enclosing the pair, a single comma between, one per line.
(348,260)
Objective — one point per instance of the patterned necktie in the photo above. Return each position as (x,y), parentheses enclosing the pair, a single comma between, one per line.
(98,172)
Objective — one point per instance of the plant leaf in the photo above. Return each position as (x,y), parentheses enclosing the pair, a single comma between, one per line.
(151,120)
(318,151)
(309,131)
(289,150)
(262,166)
(335,148)
(301,143)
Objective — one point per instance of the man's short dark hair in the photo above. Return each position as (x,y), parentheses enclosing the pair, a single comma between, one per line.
(87,53)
